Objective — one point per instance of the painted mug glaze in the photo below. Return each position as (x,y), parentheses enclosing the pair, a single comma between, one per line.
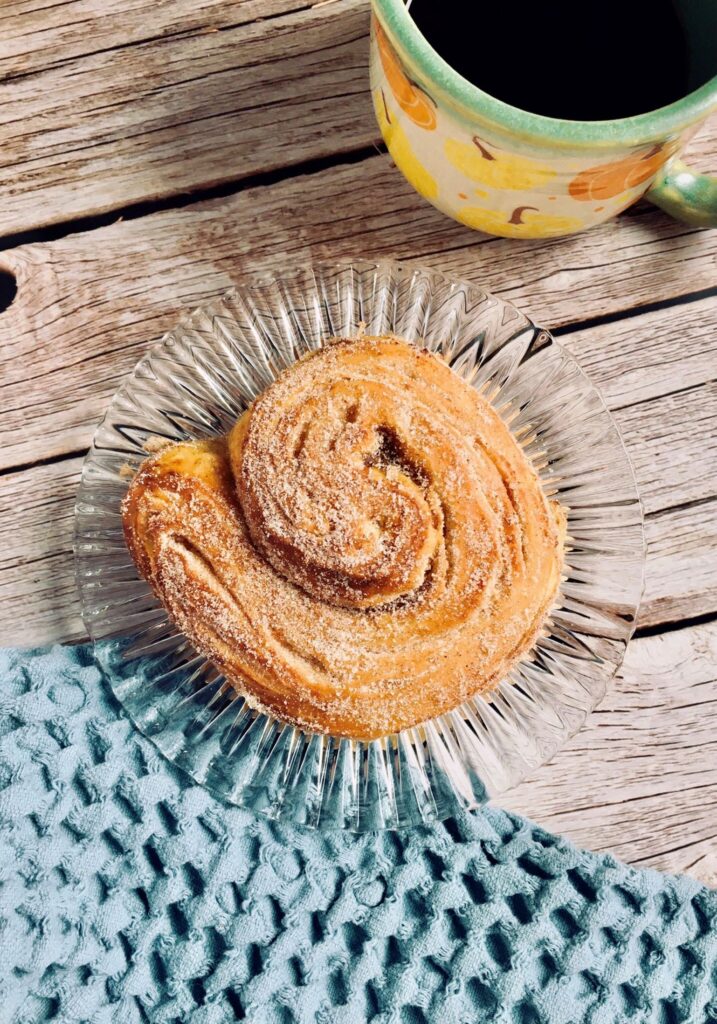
(503,170)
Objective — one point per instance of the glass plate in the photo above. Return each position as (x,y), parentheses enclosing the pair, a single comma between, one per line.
(196,382)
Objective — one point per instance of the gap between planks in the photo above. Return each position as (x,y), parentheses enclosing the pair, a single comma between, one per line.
(64,228)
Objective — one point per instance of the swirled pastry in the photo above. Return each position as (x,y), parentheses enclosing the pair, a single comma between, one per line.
(368,547)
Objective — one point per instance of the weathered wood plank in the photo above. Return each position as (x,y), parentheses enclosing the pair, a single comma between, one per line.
(180,109)
(672,442)
(674,454)
(681,571)
(37,36)
(87,305)
(636,359)
(38,598)
(640,779)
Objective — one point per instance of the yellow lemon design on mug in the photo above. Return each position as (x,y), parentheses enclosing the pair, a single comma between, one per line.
(523,222)
(401,152)
(494,167)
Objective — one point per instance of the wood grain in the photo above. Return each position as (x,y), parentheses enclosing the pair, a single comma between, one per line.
(37,35)
(657,373)
(636,359)
(38,597)
(681,570)
(154,108)
(671,437)
(87,305)
(640,779)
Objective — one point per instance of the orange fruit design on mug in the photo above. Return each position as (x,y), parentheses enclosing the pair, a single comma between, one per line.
(412,100)
(609,180)
(401,152)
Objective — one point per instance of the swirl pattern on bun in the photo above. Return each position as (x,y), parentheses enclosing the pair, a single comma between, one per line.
(368,547)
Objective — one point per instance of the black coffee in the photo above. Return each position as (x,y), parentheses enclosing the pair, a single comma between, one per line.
(582,60)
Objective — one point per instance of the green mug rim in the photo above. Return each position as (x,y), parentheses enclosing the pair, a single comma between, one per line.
(646,127)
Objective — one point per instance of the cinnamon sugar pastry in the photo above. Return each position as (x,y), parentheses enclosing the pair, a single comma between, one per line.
(368,547)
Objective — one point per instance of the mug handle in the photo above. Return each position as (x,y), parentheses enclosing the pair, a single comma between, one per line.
(687,195)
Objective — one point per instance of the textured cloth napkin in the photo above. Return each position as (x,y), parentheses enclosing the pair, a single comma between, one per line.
(128,894)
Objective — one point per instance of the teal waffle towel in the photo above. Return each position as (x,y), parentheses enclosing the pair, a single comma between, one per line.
(128,894)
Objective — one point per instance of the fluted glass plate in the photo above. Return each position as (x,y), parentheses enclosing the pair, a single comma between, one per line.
(196,382)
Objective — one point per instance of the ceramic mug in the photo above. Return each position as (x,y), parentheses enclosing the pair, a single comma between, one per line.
(509,172)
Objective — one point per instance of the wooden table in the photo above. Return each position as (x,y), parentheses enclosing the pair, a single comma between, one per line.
(154,150)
